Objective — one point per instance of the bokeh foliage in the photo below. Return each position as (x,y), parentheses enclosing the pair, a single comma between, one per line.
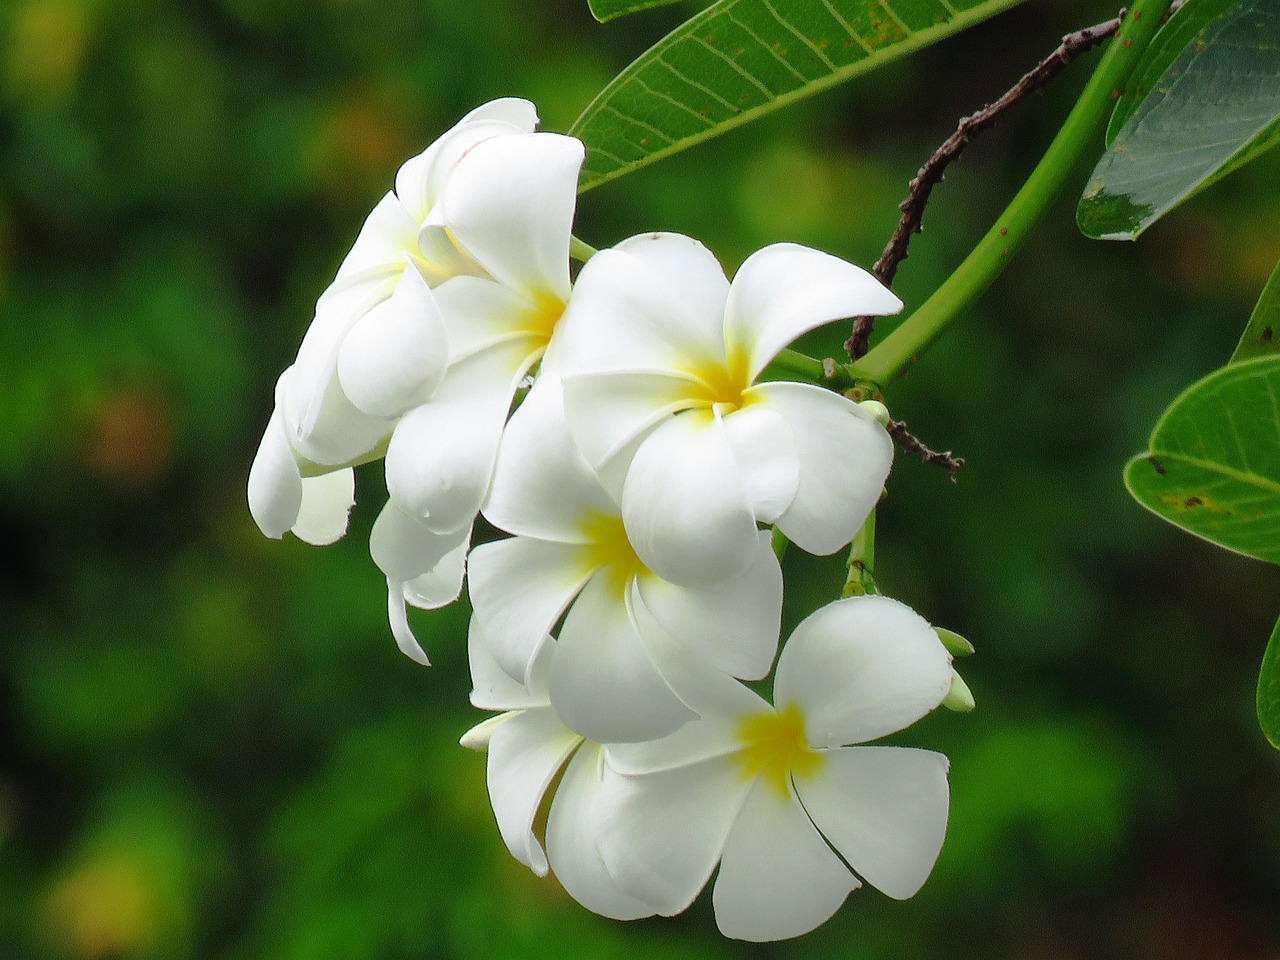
(209,746)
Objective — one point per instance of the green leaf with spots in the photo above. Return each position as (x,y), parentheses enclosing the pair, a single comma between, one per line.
(1262,336)
(1214,464)
(1269,690)
(605,10)
(741,59)
(1205,100)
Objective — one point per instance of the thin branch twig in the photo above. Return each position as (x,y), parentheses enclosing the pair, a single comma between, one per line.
(931,174)
(950,463)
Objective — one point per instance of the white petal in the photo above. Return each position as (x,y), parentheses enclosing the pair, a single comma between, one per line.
(785,290)
(492,687)
(517,111)
(519,589)
(684,504)
(604,684)
(766,456)
(733,624)
(419,181)
(571,848)
(441,455)
(862,668)
(442,584)
(398,617)
(275,483)
(510,203)
(525,754)
(478,737)
(844,455)
(884,809)
(395,355)
(542,487)
(777,877)
(403,548)
(326,507)
(387,233)
(661,835)
(610,414)
(479,313)
(626,315)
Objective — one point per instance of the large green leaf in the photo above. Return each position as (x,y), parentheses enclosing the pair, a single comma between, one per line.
(1204,100)
(740,59)
(1262,336)
(1269,690)
(1214,464)
(605,10)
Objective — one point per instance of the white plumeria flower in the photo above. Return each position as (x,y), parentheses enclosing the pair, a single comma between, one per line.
(528,747)
(613,678)
(775,795)
(335,406)
(660,355)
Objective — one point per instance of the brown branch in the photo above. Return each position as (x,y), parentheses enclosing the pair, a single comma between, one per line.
(931,174)
(903,438)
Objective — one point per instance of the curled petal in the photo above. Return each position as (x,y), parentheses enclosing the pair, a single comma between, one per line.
(732,624)
(404,548)
(395,355)
(844,455)
(398,617)
(378,251)
(519,588)
(785,290)
(510,203)
(326,507)
(572,826)
(685,506)
(662,834)
(525,754)
(604,683)
(441,455)
(862,668)
(541,486)
(492,688)
(778,878)
(442,584)
(884,809)
(275,483)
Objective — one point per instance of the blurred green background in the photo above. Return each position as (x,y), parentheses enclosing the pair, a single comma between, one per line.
(209,745)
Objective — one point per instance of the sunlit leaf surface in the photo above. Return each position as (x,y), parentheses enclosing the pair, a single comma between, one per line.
(1261,337)
(1204,100)
(740,59)
(1213,468)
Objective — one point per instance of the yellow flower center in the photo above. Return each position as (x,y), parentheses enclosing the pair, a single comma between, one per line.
(774,746)
(609,549)
(544,313)
(723,382)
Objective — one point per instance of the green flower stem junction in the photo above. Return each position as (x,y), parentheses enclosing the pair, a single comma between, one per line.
(979,270)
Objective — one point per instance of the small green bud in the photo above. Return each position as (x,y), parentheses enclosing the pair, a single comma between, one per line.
(956,645)
(877,410)
(960,698)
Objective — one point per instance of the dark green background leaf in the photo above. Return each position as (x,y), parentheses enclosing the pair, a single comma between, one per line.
(1204,100)
(1262,336)
(740,59)
(1214,463)
(1269,690)
(605,10)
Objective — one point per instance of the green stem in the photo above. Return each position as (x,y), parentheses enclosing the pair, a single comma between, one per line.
(861,580)
(580,250)
(979,270)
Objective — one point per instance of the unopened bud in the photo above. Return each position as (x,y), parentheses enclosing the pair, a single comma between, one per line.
(960,697)
(956,645)
(877,410)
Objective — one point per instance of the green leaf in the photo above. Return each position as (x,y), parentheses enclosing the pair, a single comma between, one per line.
(1214,464)
(740,59)
(1269,690)
(1204,100)
(606,10)
(1262,336)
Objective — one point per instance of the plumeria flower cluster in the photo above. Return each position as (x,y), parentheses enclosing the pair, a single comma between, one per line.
(633,590)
